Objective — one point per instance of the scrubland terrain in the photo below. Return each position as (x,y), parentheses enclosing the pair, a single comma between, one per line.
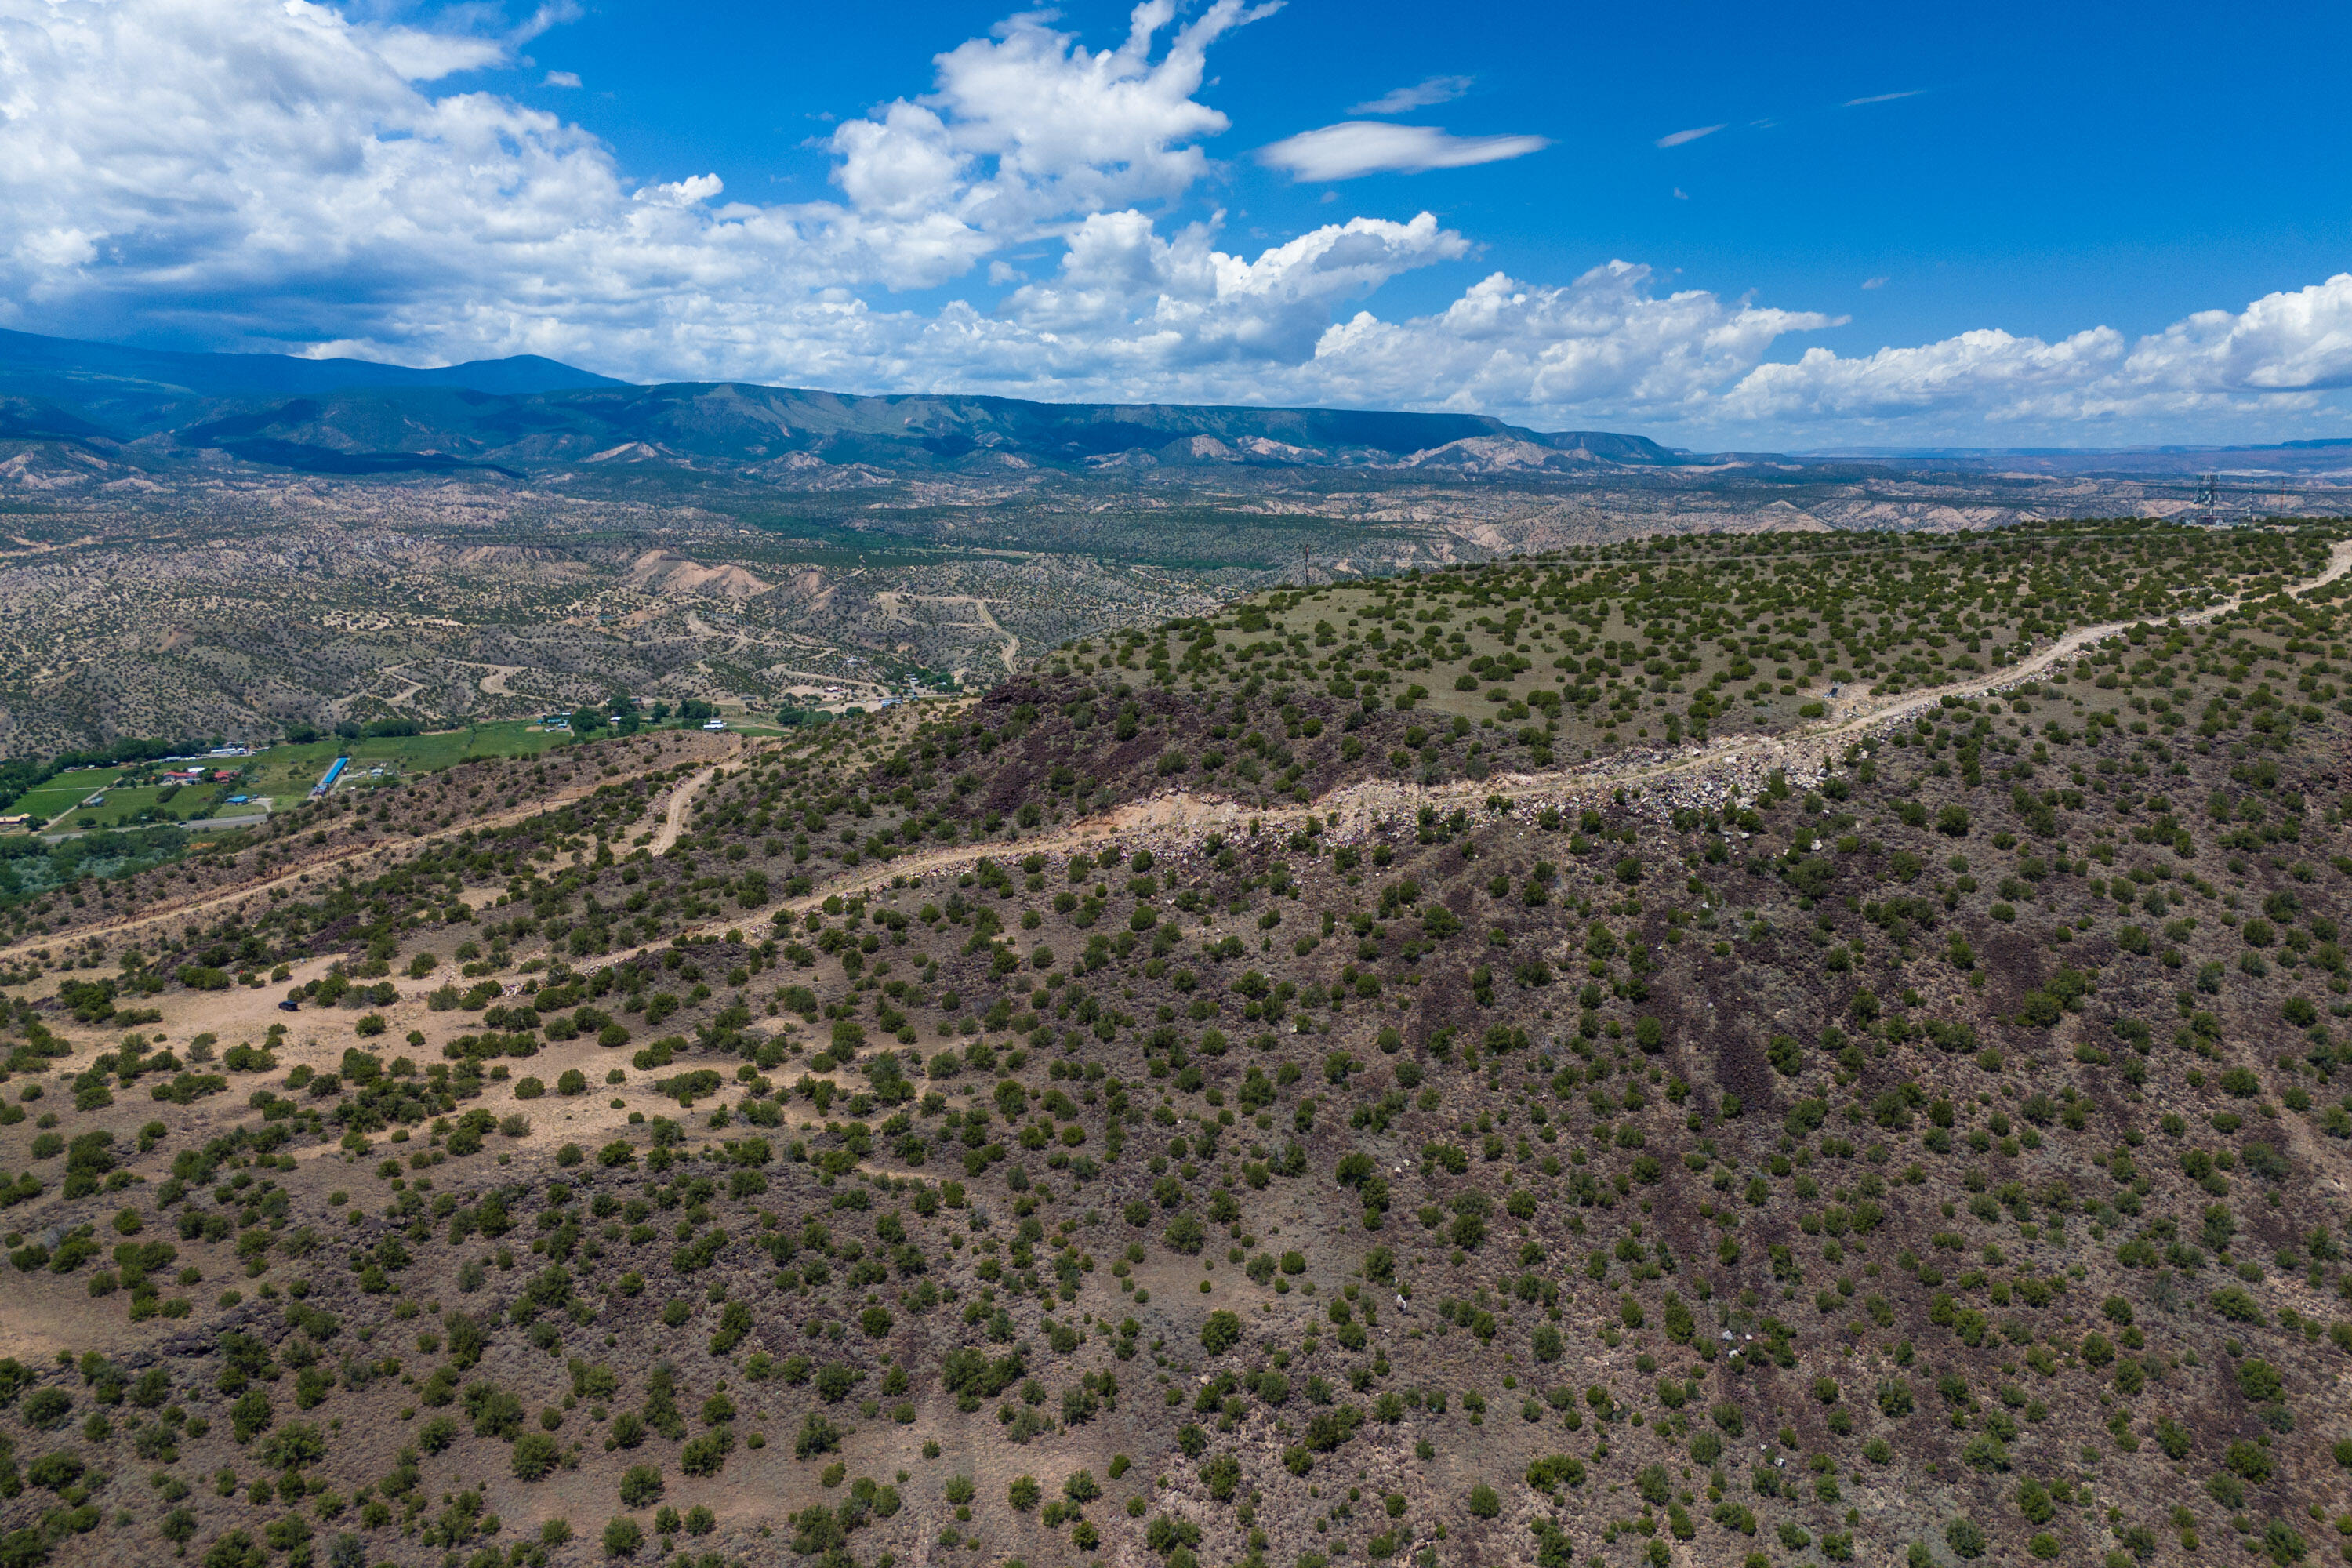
(1205,1102)
(245,612)
(244,609)
(234,547)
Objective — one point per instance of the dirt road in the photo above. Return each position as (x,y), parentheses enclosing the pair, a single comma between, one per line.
(1009,652)
(1867,713)
(495,683)
(1357,808)
(292,873)
(681,800)
(1351,810)
(1011,649)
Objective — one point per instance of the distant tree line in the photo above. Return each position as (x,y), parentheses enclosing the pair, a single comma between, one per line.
(352,730)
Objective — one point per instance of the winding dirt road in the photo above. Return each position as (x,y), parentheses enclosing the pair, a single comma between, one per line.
(1352,810)
(1356,809)
(290,873)
(1010,653)
(680,800)
(2339,561)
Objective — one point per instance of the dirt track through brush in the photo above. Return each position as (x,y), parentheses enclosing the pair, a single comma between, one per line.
(1353,811)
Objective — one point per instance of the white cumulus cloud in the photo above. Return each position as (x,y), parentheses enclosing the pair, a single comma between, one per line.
(1355,147)
(2295,342)
(1180,303)
(419,56)
(2276,357)
(1957,374)
(1607,342)
(279,173)
(1028,127)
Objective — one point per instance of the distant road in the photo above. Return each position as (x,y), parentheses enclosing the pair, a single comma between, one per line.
(201,824)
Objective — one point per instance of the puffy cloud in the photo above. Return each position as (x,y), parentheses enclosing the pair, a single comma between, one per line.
(1973,370)
(226,150)
(1422,95)
(2299,342)
(282,164)
(265,173)
(1605,344)
(1184,304)
(1134,316)
(2277,356)
(418,56)
(1027,131)
(1355,147)
(1072,130)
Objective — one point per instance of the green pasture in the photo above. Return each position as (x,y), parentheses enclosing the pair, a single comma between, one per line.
(288,773)
(44,801)
(146,803)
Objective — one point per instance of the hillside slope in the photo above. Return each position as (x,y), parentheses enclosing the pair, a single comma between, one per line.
(959,1144)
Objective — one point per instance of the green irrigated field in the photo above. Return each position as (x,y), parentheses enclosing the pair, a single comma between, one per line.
(44,801)
(284,774)
(150,803)
(426,754)
(287,774)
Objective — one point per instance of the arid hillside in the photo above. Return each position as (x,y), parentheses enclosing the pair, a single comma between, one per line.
(1198,1104)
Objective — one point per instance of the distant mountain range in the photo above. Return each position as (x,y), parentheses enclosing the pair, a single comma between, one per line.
(529,415)
(112,377)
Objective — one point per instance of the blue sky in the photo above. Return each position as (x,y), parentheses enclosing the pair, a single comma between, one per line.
(2052,169)
(1997,224)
